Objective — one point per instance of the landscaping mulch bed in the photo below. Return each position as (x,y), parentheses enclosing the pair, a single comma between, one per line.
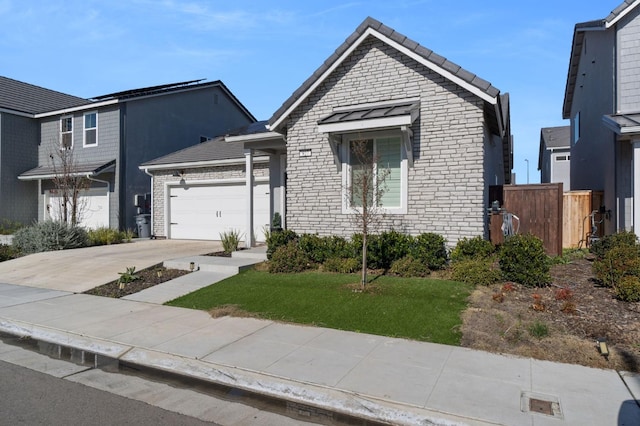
(146,278)
(574,311)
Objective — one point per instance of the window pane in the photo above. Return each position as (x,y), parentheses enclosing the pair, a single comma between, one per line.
(90,121)
(66,124)
(361,179)
(389,163)
(90,137)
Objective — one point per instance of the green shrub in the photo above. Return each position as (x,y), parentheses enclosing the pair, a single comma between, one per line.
(523,260)
(230,240)
(409,267)
(430,249)
(314,247)
(48,236)
(8,252)
(475,271)
(603,245)
(104,236)
(342,265)
(476,247)
(619,261)
(287,259)
(385,248)
(539,329)
(278,239)
(338,247)
(628,289)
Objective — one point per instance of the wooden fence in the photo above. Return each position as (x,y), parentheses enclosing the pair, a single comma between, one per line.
(560,220)
(538,210)
(577,223)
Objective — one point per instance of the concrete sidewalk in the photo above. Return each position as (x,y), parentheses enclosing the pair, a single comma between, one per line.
(372,377)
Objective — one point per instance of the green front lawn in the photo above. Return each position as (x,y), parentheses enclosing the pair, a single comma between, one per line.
(414,308)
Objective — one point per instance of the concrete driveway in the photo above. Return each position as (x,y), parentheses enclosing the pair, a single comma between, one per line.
(79,270)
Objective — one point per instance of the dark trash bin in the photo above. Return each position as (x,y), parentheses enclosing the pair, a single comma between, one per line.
(143,225)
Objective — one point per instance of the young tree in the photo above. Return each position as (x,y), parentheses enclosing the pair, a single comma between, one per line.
(365,190)
(69,185)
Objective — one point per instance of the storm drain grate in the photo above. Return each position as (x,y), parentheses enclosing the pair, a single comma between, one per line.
(540,404)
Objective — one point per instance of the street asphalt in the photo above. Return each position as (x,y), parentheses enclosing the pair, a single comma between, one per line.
(383,379)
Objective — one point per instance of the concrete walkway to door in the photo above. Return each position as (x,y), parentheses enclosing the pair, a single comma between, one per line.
(79,270)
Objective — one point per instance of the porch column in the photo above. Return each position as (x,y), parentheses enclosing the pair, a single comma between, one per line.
(248,156)
(636,186)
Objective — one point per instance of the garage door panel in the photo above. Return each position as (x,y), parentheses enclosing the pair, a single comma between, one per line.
(206,211)
(93,208)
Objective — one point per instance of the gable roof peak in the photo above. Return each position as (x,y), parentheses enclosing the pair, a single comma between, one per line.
(427,57)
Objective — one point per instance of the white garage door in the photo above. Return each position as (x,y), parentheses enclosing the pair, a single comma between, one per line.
(203,212)
(93,208)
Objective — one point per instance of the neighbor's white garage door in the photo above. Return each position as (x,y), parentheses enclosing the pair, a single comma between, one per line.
(93,208)
(203,212)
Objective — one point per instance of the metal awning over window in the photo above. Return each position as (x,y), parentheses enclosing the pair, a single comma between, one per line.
(87,169)
(623,124)
(371,117)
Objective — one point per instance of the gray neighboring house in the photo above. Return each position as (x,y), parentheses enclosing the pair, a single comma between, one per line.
(110,136)
(602,100)
(554,159)
(203,191)
(443,132)
(20,103)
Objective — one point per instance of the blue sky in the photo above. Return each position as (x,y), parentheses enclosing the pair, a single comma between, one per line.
(263,50)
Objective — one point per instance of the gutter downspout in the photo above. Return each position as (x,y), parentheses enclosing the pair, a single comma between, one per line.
(108,193)
(146,170)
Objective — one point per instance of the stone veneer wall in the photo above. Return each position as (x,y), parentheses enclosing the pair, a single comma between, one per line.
(446,186)
(199,174)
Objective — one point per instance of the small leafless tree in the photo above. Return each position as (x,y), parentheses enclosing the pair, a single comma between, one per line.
(365,189)
(68,184)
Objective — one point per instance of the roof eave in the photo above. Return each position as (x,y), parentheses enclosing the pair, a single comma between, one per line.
(200,164)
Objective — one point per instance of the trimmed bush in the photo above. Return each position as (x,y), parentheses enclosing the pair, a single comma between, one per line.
(105,236)
(430,249)
(287,259)
(385,248)
(475,271)
(342,265)
(628,289)
(338,247)
(603,245)
(474,248)
(409,267)
(8,252)
(278,239)
(49,236)
(523,260)
(619,261)
(314,247)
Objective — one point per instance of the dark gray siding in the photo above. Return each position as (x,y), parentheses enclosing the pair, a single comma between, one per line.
(593,156)
(160,125)
(18,152)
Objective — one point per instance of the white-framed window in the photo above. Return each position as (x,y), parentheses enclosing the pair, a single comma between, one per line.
(90,134)
(390,162)
(563,158)
(66,132)
(576,128)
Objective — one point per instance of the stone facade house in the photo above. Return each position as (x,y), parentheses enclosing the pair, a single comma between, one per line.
(442,132)
(554,159)
(106,138)
(602,100)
